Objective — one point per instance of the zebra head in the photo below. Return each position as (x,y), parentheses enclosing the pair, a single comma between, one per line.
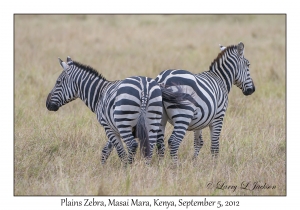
(243,79)
(64,91)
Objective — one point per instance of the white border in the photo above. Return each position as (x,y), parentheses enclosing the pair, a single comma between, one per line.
(6,88)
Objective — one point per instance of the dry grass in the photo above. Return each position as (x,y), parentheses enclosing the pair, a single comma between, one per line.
(59,153)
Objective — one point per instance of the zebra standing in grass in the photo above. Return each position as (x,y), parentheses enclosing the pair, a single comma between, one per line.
(126,108)
(207,93)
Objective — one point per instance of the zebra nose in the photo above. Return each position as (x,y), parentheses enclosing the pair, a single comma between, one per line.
(249,91)
(52,107)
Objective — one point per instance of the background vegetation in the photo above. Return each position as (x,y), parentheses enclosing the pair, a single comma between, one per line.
(58,153)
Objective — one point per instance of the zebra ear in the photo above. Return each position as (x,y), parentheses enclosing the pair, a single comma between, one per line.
(240,49)
(69,60)
(63,64)
(222,47)
(60,62)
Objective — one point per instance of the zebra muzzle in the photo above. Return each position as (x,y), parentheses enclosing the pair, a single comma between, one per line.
(50,105)
(249,91)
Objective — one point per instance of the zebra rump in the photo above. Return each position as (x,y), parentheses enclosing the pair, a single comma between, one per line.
(138,113)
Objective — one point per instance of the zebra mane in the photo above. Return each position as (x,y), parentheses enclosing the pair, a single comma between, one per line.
(88,69)
(220,55)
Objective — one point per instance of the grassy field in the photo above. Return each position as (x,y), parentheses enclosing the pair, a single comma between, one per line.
(58,153)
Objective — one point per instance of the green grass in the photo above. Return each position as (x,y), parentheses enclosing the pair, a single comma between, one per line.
(59,153)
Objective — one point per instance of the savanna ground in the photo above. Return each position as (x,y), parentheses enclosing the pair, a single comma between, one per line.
(58,153)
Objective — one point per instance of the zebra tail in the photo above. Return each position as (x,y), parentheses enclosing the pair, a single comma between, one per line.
(142,134)
(176,97)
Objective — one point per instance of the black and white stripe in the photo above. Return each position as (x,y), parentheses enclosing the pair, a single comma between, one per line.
(126,108)
(207,94)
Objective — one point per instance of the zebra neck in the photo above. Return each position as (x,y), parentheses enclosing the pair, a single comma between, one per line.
(224,75)
(90,90)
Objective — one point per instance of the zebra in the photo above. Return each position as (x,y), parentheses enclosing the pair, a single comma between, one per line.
(127,109)
(207,93)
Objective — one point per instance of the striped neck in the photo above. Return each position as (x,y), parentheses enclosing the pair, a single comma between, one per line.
(225,65)
(89,84)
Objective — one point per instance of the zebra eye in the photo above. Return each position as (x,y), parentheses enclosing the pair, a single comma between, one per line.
(58,82)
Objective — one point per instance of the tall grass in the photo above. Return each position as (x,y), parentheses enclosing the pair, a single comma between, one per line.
(58,153)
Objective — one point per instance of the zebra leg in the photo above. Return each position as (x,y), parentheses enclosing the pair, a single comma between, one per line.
(198,142)
(132,146)
(106,151)
(160,142)
(113,140)
(129,140)
(160,137)
(215,130)
(152,142)
(175,140)
(156,137)
(127,130)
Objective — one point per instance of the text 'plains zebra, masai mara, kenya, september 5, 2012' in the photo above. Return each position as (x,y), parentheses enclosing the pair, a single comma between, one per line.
(208,97)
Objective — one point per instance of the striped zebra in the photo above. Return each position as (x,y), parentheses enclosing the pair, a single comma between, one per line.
(127,109)
(207,93)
